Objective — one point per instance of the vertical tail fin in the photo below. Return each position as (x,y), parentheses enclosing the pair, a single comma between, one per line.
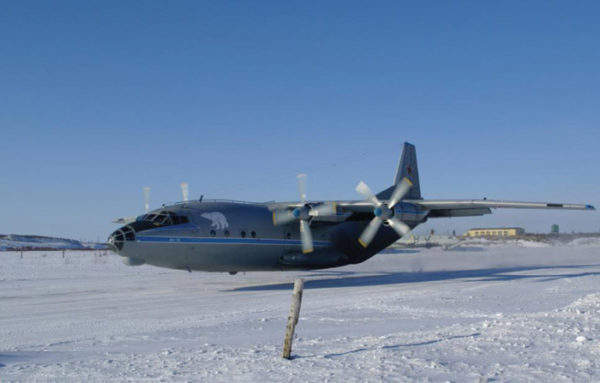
(406,168)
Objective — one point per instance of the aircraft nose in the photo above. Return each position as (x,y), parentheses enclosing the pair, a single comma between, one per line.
(111,243)
(117,239)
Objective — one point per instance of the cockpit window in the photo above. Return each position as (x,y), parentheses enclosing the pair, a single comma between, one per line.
(179,219)
(163,218)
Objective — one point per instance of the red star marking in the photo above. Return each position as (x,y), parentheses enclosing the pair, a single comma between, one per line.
(409,169)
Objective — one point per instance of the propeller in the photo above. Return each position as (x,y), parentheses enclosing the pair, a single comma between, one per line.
(147,198)
(303,214)
(383,211)
(185,191)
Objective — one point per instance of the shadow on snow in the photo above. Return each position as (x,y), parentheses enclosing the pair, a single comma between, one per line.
(397,346)
(351,279)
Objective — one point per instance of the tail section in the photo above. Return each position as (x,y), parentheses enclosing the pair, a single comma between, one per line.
(406,168)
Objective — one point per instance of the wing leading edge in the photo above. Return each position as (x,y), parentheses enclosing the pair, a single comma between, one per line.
(473,207)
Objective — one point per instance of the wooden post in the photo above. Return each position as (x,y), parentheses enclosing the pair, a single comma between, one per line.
(293,318)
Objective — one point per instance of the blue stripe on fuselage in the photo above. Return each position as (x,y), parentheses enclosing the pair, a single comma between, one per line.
(228,241)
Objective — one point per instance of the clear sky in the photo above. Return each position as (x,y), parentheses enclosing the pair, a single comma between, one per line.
(101,98)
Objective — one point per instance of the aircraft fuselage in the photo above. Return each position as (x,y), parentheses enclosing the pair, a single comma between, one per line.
(236,236)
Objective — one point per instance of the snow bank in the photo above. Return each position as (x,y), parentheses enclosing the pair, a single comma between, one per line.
(584,242)
(29,242)
(504,242)
(578,242)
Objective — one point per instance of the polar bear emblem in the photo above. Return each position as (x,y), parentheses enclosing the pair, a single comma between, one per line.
(218,220)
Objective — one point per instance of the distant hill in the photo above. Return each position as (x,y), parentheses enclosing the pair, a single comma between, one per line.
(12,242)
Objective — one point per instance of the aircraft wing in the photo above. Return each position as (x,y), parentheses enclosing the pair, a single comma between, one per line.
(351,206)
(344,209)
(341,206)
(473,207)
(438,208)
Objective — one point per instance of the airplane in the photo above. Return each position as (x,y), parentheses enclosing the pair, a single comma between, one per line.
(234,236)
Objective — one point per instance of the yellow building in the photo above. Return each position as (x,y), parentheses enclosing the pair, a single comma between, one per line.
(496,232)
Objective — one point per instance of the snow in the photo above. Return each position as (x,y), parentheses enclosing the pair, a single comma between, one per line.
(507,242)
(585,242)
(472,314)
(16,241)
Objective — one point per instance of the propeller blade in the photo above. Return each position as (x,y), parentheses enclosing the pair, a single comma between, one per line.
(147,198)
(369,233)
(400,191)
(282,216)
(400,227)
(185,191)
(328,208)
(366,192)
(302,187)
(306,236)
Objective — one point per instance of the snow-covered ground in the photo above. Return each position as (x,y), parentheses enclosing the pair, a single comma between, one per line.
(29,242)
(472,314)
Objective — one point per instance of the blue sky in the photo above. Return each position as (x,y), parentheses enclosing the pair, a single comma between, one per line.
(101,98)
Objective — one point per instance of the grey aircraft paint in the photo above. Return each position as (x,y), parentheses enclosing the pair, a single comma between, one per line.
(249,241)
(229,236)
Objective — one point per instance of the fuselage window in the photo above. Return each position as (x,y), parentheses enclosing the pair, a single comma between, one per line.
(243,234)
(227,233)
(253,234)
(213,233)
(288,235)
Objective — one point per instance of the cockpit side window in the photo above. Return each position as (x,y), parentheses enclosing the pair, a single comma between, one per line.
(163,218)
(179,219)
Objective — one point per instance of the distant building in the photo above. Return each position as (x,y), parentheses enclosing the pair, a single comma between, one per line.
(495,232)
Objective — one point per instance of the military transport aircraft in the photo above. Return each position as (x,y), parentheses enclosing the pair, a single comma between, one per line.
(231,236)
